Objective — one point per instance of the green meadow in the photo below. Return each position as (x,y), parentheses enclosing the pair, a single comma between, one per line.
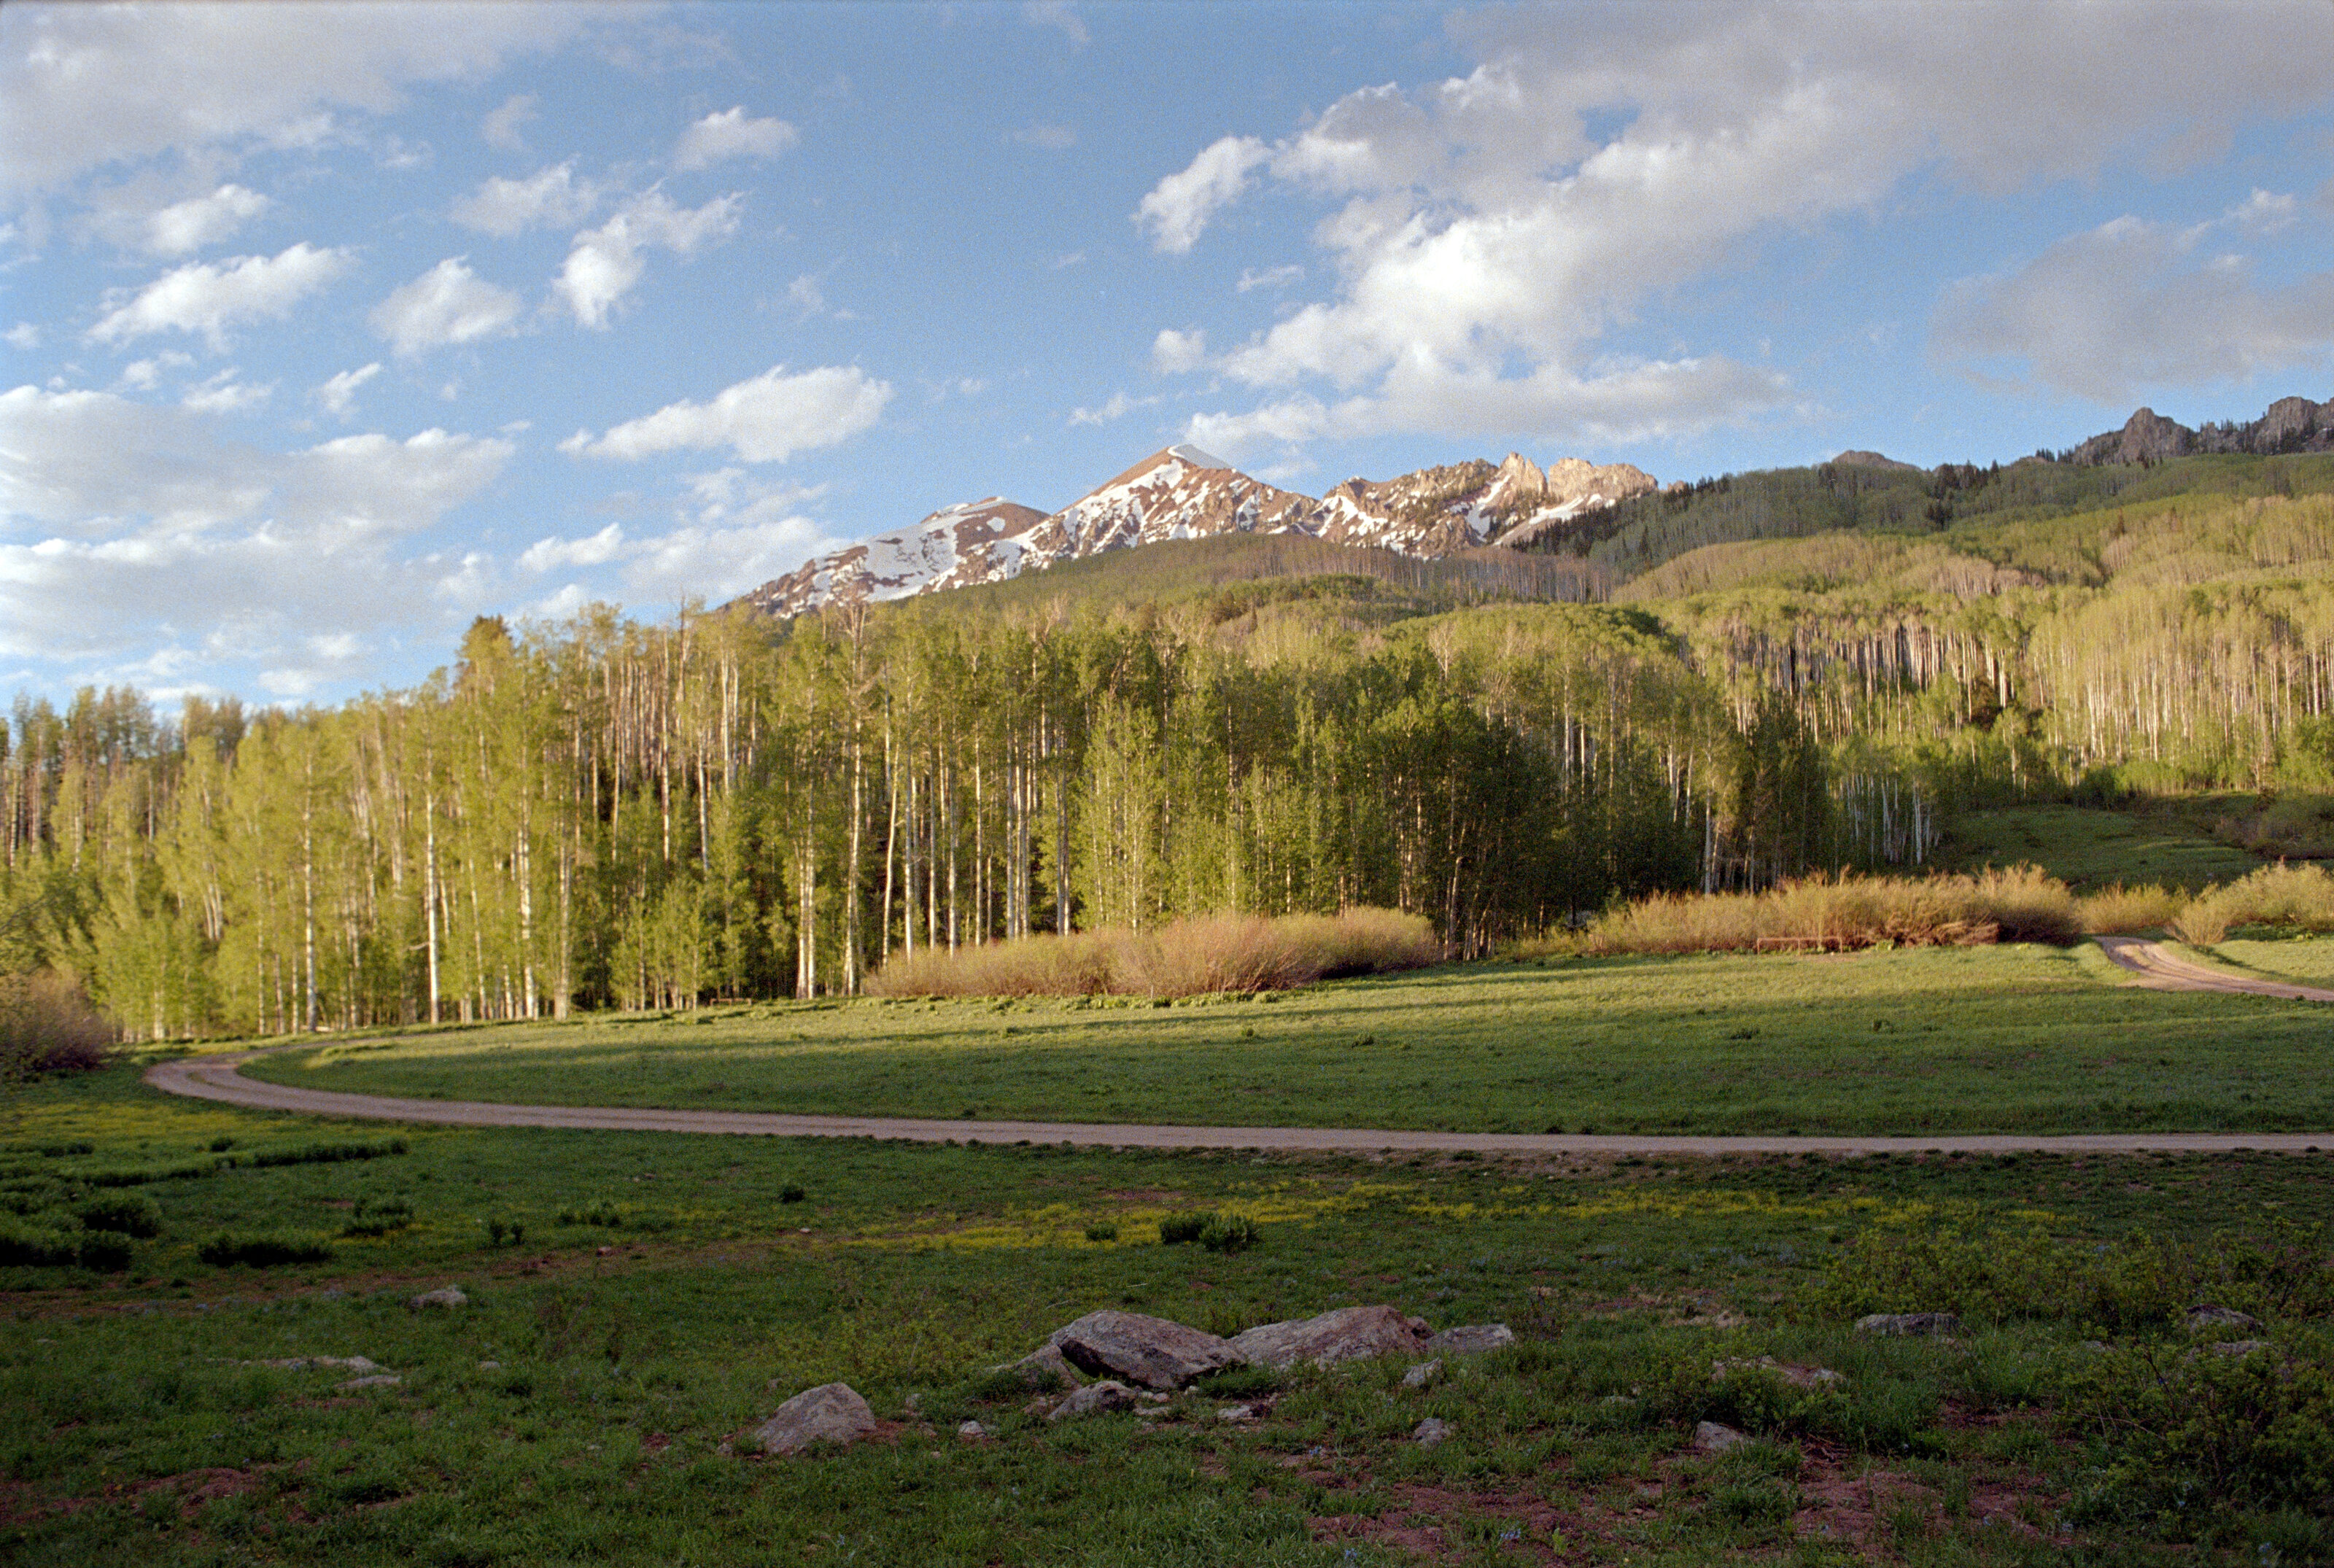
(1986,1039)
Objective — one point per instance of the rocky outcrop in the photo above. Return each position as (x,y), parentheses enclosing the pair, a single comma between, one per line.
(1044,1368)
(2289,425)
(1889,1324)
(1349,1334)
(1861,459)
(1148,1350)
(2205,1319)
(1095,1400)
(829,1413)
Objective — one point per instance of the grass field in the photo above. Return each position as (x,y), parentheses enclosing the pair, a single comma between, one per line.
(2089,849)
(582,1408)
(1969,1039)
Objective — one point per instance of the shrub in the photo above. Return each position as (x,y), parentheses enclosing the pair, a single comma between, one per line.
(1101,1233)
(102,1251)
(1231,1232)
(2191,1431)
(48,1025)
(499,1230)
(129,1213)
(226,1248)
(378,1217)
(2020,904)
(38,1246)
(1175,1229)
(1199,957)
(2300,897)
(791,1193)
(2118,910)
(328,1153)
(602,1213)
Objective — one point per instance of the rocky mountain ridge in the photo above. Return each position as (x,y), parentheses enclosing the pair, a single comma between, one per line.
(1181,492)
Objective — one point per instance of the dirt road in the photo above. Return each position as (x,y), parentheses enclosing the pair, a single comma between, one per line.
(216,1078)
(2167,971)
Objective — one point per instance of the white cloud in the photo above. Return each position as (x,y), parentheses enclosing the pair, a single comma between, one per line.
(605,263)
(1174,353)
(735,532)
(449,303)
(806,296)
(2265,212)
(81,86)
(223,394)
(1269,278)
(1058,15)
(147,374)
(500,127)
(595,550)
(1178,207)
(1119,406)
(729,134)
(340,392)
(550,198)
(764,420)
(1488,231)
(209,298)
(142,529)
(2131,303)
(24,336)
(202,220)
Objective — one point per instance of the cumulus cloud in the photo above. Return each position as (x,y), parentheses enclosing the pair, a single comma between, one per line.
(500,127)
(606,262)
(550,198)
(1059,16)
(202,220)
(764,420)
(130,529)
(225,394)
(338,393)
(1178,207)
(84,86)
(1487,233)
(1173,352)
(1119,406)
(207,298)
(23,335)
(1269,278)
(734,531)
(450,304)
(2131,303)
(729,134)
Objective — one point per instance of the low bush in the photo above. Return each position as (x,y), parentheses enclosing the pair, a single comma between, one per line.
(2020,904)
(326,1153)
(378,1216)
(792,1192)
(226,1248)
(2299,898)
(129,1213)
(1099,1233)
(1231,1232)
(1175,1229)
(602,1213)
(38,1246)
(500,1230)
(1200,956)
(2118,910)
(48,1025)
(2302,825)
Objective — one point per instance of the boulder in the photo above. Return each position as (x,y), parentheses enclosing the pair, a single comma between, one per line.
(1473,1340)
(448,1296)
(2204,1319)
(1431,1431)
(972,1431)
(1152,1351)
(1894,1324)
(1096,1399)
(1044,1368)
(1716,1437)
(1349,1334)
(829,1413)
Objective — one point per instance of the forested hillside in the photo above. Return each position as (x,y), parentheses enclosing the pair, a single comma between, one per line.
(1789,672)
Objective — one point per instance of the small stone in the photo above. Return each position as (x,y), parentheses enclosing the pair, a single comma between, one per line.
(972,1431)
(1474,1340)
(1237,1413)
(379,1380)
(1902,1324)
(448,1296)
(829,1413)
(2204,1318)
(1420,1374)
(1096,1399)
(1431,1431)
(1716,1437)
(490,1366)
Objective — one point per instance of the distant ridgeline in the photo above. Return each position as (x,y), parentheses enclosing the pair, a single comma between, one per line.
(1712,686)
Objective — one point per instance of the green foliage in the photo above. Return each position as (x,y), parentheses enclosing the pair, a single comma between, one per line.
(1227,1233)
(325,1153)
(604,1213)
(378,1216)
(228,1248)
(47,1026)
(1175,1229)
(792,1192)
(131,1214)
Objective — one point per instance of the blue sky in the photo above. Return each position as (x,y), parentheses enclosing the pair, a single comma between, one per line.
(324,329)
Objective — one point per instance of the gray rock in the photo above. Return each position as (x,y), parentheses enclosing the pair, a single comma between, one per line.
(1792,1372)
(1152,1351)
(1716,1437)
(1474,1340)
(1422,1374)
(2233,1348)
(1096,1399)
(1431,1431)
(1349,1334)
(829,1413)
(378,1380)
(1896,1324)
(362,1366)
(448,1296)
(1237,1413)
(2205,1318)
(972,1431)
(490,1366)
(1044,1368)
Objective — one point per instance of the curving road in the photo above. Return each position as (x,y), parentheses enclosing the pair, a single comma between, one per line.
(218,1078)
(2167,971)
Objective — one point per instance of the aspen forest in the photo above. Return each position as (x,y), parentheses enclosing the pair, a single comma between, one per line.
(602,813)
